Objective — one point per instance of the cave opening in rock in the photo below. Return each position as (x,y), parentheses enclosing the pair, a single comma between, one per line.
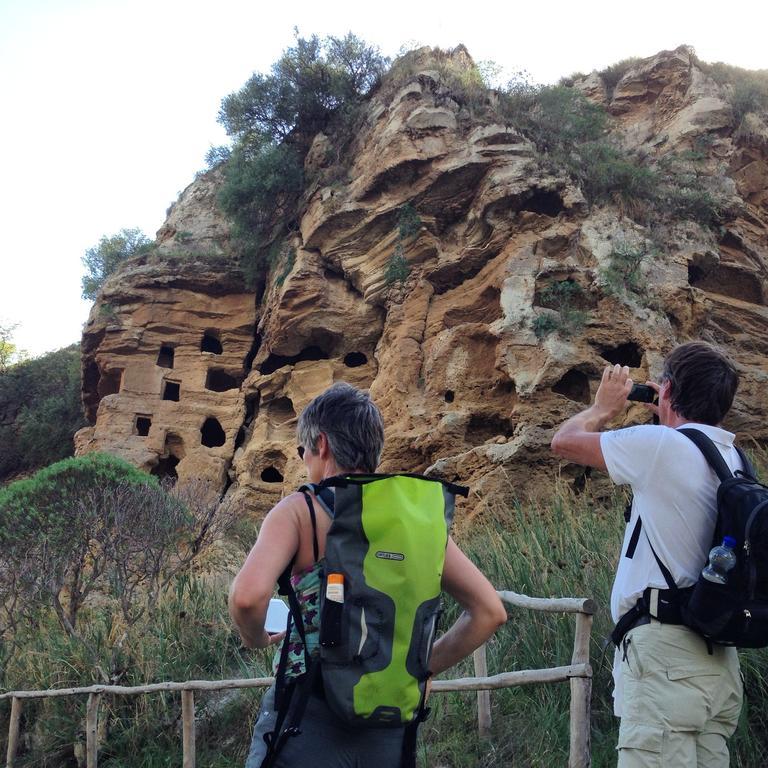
(449,396)
(355,359)
(542,201)
(727,280)
(629,354)
(211,433)
(218,380)
(580,481)
(171,391)
(252,352)
(211,343)
(575,386)
(485,426)
(272,475)
(142,425)
(165,469)
(273,362)
(165,356)
(110,382)
(695,274)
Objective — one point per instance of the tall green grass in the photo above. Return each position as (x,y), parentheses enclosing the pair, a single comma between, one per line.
(566,548)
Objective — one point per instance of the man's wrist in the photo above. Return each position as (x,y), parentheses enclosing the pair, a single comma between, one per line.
(595,418)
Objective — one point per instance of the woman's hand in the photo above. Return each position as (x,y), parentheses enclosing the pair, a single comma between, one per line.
(263,641)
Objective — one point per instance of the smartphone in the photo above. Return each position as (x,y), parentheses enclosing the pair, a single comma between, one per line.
(277,616)
(642,393)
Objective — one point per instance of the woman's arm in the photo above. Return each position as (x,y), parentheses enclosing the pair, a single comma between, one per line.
(483,612)
(249,595)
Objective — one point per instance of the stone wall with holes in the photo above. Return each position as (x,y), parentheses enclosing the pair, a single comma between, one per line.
(513,303)
(162,372)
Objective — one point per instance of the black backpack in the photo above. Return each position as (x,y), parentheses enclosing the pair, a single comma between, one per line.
(734,613)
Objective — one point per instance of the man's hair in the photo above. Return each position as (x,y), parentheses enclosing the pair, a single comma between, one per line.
(351,422)
(703,382)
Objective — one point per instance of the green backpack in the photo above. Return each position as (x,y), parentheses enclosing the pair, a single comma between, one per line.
(380,601)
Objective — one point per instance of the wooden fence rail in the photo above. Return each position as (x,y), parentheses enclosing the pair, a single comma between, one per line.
(578,673)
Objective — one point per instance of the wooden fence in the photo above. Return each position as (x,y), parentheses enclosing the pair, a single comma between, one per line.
(578,673)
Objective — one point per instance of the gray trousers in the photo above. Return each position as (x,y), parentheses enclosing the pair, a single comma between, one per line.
(324,741)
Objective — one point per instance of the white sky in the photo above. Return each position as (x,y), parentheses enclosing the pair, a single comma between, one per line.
(109,106)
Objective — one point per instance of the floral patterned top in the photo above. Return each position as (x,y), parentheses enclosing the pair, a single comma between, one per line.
(306,585)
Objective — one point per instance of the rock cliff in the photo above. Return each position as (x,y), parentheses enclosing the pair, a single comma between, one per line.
(481,351)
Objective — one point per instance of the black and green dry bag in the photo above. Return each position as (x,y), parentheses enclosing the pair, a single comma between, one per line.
(387,541)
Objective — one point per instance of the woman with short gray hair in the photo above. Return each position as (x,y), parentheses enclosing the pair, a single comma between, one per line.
(339,433)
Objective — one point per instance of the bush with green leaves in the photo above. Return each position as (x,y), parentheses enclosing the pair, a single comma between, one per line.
(316,85)
(95,524)
(746,90)
(564,297)
(104,259)
(623,272)
(408,225)
(40,410)
(612,74)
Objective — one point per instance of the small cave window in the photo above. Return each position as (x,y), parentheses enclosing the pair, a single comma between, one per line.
(272,475)
(449,396)
(171,391)
(575,386)
(166,469)
(628,354)
(110,382)
(142,425)
(580,481)
(165,356)
(218,380)
(355,360)
(211,433)
(695,274)
(273,362)
(547,203)
(211,343)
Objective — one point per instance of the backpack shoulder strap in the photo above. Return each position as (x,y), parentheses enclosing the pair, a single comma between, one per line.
(709,449)
(748,470)
(323,493)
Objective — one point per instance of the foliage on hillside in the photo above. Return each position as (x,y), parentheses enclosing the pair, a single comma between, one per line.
(40,410)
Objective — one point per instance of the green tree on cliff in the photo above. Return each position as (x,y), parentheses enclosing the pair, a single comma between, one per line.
(103,259)
(7,347)
(315,85)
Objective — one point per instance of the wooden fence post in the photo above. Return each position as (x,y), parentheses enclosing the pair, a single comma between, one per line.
(581,692)
(188,728)
(483,697)
(92,730)
(13,732)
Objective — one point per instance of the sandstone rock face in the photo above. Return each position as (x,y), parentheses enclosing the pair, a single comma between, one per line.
(164,354)
(467,388)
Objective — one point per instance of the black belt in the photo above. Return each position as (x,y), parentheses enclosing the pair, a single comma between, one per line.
(663,602)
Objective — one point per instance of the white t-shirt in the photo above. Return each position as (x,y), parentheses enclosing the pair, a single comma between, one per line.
(675,494)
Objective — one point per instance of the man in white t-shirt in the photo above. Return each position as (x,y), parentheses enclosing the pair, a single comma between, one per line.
(678,702)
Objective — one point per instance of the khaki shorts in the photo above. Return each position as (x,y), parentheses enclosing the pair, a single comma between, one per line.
(680,704)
